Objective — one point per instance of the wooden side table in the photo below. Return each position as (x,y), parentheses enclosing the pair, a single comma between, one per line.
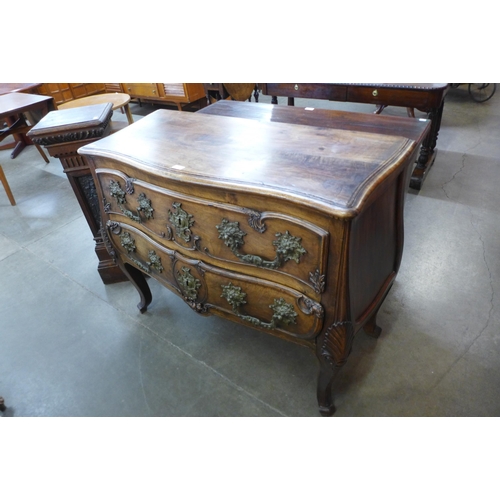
(62,132)
(14,107)
(117,100)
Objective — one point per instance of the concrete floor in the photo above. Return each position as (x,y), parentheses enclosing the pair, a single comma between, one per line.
(71,346)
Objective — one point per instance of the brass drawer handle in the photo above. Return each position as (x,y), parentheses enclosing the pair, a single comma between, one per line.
(288,247)
(296,87)
(375,93)
(284,313)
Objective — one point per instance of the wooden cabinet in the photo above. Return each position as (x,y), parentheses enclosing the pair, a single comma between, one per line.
(292,229)
(168,93)
(64,92)
(179,94)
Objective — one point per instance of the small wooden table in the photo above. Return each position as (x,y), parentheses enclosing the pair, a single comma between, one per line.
(13,107)
(426,97)
(117,101)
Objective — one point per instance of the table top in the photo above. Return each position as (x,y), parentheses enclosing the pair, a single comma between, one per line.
(414,129)
(329,169)
(116,99)
(63,121)
(5,88)
(17,102)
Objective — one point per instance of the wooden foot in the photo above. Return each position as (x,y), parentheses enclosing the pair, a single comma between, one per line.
(324,389)
(2,404)
(371,328)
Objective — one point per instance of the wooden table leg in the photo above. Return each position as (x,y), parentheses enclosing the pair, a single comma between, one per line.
(129,114)
(428,150)
(2,404)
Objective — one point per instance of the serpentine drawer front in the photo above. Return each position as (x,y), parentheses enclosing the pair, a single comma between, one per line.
(295,230)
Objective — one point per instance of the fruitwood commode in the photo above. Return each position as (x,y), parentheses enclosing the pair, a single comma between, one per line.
(295,230)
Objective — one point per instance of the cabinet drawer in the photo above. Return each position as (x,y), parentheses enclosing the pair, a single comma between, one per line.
(308,90)
(141,89)
(269,242)
(210,289)
(387,95)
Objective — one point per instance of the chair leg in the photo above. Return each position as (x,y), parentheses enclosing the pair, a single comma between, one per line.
(3,180)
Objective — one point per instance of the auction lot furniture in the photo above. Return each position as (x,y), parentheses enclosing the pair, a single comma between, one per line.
(118,100)
(426,97)
(62,132)
(295,230)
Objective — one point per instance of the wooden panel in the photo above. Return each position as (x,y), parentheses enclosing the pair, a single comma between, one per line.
(113,87)
(60,92)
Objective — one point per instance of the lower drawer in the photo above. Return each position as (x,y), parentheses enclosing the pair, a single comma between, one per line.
(209,289)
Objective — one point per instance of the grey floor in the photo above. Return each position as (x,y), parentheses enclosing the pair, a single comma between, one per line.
(71,346)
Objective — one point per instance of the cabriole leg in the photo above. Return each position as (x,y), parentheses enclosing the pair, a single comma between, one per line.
(139,281)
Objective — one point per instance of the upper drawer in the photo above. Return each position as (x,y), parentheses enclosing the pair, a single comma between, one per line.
(240,237)
(308,90)
(141,89)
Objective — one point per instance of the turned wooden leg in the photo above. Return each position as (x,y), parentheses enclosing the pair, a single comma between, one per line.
(2,404)
(139,281)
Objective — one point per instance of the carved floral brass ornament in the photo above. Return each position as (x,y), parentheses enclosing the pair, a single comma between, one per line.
(154,261)
(182,222)
(284,313)
(127,242)
(288,247)
(145,206)
(119,195)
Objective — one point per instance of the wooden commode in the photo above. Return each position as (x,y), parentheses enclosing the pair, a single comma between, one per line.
(292,229)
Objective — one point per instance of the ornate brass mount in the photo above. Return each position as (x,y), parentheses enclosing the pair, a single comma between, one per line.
(284,313)
(288,247)
(182,222)
(188,283)
(189,286)
(128,243)
(118,194)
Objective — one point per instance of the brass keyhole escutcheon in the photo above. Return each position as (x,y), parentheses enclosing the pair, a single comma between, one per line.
(296,87)
(375,93)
